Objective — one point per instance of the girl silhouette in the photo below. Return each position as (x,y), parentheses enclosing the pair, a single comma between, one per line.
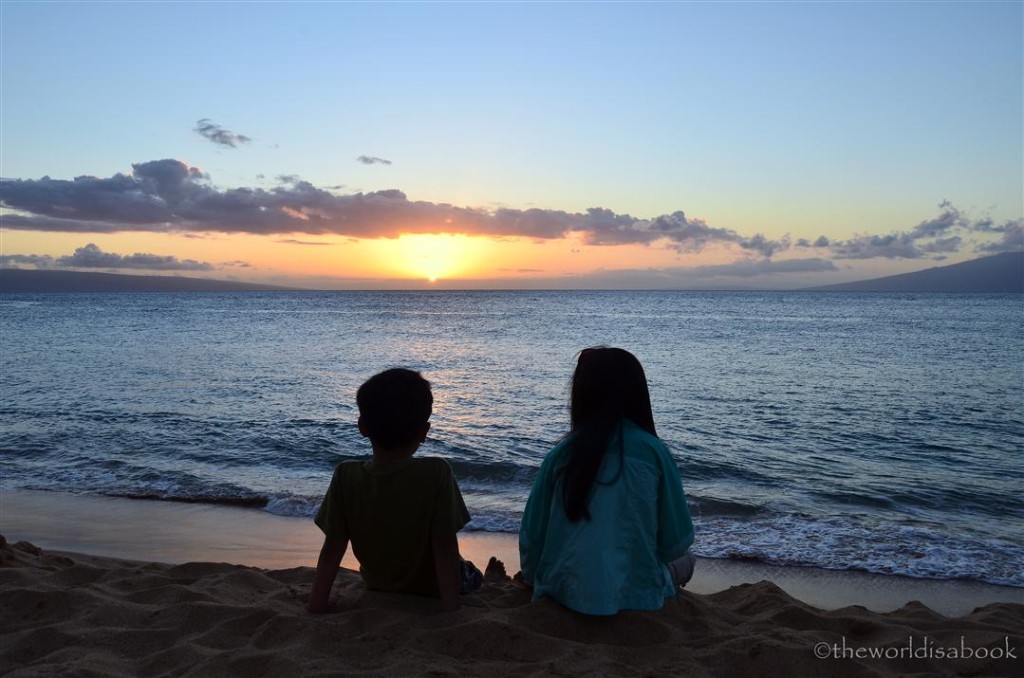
(607,526)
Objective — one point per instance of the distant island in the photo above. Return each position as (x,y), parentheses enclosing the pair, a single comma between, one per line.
(997,273)
(13,281)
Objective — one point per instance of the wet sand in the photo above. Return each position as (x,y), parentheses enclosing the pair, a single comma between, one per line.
(170,532)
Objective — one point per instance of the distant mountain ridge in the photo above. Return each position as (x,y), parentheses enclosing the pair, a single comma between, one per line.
(997,273)
(13,280)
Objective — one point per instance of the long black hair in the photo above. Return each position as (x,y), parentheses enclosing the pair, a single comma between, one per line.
(608,385)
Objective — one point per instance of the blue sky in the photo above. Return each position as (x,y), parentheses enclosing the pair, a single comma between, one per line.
(798,120)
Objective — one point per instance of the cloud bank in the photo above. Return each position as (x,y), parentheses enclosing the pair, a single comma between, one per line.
(91,256)
(940,235)
(169,196)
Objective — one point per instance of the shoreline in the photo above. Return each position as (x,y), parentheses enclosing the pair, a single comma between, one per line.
(171,532)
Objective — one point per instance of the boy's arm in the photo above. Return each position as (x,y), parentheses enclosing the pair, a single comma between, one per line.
(446,563)
(326,571)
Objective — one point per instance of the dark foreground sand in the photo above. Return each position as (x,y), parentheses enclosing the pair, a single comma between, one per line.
(64,613)
(76,615)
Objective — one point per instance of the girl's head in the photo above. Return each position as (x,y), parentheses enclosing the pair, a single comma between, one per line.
(609,384)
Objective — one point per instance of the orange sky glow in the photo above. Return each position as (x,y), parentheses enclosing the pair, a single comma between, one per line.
(410,257)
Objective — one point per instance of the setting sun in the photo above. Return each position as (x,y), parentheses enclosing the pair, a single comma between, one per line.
(438,256)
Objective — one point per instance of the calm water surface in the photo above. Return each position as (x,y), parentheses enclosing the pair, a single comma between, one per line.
(881,432)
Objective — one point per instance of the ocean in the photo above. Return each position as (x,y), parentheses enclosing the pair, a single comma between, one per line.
(876,432)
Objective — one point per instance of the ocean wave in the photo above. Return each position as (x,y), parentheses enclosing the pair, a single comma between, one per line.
(293,506)
(709,506)
(246,500)
(845,544)
(493,472)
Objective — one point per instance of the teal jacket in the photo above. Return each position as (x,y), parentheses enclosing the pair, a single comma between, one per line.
(617,560)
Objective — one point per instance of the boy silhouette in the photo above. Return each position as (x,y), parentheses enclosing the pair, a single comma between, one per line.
(400,513)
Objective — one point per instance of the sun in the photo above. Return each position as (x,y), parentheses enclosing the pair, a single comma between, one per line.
(435,256)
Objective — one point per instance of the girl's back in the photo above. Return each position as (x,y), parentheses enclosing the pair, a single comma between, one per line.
(616,560)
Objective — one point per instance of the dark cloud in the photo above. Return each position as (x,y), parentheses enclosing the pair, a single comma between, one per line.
(988,226)
(949,217)
(896,245)
(943,245)
(237,264)
(763,245)
(91,256)
(604,227)
(372,160)
(33,222)
(219,135)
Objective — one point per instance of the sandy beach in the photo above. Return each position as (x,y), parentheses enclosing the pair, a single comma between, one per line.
(67,613)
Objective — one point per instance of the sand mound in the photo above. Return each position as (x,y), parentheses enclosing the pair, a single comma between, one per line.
(70,614)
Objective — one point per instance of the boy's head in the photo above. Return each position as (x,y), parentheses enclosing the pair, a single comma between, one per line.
(394,408)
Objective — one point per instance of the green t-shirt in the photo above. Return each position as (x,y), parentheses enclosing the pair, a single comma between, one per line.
(390,513)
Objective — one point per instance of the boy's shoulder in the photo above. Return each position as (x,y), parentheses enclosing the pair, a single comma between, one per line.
(432,467)
(439,463)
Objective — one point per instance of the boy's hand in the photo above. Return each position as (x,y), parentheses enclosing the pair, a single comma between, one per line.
(446,564)
(322,608)
(326,570)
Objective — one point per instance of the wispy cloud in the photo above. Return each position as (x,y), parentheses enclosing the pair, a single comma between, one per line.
(292,241)
(372,160)
(170,196)
(218,135)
